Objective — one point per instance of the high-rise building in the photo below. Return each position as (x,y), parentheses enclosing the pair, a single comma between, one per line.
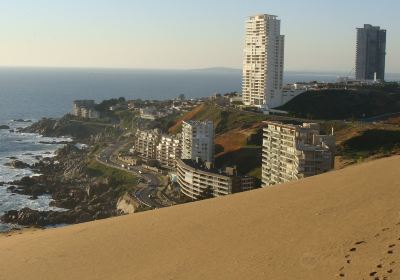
(371,53)
(198,140)
(293,152)
(263,62)
(146,142)
(169,150)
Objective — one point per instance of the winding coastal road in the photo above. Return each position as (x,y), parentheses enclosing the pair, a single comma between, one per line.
(144,195)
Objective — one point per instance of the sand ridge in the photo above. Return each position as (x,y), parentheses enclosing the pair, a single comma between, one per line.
(340,225)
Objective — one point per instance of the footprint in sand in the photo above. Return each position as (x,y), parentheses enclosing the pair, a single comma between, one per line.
(360,242)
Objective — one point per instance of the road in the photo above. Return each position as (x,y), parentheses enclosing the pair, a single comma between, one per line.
(144,195)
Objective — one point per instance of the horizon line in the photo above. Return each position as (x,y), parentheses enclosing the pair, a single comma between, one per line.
(211,68)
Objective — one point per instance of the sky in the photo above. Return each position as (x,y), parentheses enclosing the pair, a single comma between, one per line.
(186,34)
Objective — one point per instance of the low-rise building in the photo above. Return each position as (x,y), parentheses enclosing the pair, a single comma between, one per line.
(292,152)
(146,143)
(199,180)
(151,113)
(129,159)
(169,149)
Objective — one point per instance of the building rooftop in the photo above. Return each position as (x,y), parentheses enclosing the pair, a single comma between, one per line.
(202,166)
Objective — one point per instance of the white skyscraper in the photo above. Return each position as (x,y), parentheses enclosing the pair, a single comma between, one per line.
(263,62)
(198,140)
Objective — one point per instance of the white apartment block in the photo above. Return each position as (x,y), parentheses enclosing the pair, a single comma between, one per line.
(293,152)
(198,140)
(146,143)
(196,178)
(168,150)
(85,109)
(263,62)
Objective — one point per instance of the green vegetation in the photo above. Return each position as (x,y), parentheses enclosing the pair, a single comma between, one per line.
(247,160)
(122,180)
(256,172)
(225,119)
(128,119)
(344,104)
(106,104)
(243,148)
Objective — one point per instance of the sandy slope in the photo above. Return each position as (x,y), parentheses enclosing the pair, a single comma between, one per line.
(344,222)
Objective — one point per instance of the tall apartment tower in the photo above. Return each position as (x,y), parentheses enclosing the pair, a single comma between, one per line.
(263,62)
(293,152)
(169,150)
(198,141)
(371,53)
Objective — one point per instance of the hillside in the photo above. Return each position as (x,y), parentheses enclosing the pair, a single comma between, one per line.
(342,104)
(238,136)
(340,225)
(79,129)
(224,119)
(358,142)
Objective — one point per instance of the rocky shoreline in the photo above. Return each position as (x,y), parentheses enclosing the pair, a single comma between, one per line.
(68,181)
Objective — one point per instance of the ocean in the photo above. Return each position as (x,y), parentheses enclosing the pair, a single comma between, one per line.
(33,93)
(27,148)
(30,93)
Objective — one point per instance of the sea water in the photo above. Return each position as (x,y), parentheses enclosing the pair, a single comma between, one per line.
(28,148)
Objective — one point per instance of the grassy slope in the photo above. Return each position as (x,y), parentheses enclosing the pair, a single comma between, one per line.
(234,129)
(342,104)
(121,179)
(233,132)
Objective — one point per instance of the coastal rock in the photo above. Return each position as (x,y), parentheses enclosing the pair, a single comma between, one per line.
(54,142)
(12,188)
(17,164)
(3,126)
(22,121)
(127,205)
(13,158)
(26,217)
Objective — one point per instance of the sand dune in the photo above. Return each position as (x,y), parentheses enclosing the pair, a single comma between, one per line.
(341,225)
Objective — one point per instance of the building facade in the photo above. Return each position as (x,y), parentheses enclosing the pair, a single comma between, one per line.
(263,62)
(85,109)
(169,149)
(146,143)
(198,140)
(199,180)
(293,152)
(371,53)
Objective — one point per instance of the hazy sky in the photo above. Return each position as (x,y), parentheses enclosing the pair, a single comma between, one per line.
(320,34)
